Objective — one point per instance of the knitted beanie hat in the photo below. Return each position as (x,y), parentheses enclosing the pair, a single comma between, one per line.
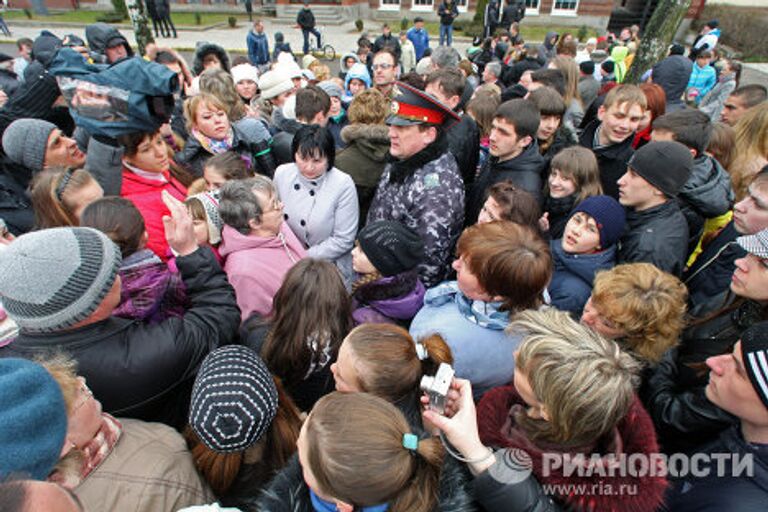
(54,278)
(234,399)
(609,216)
(274,83)
(754,352)
(245,72)
(25,142)
(210,202)
(33,419)
(666,165)
(391,247)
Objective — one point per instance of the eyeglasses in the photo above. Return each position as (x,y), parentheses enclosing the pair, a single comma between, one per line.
(384,66)
(276,205)
(86,394)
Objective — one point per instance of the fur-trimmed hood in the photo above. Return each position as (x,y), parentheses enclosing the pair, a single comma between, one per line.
(371,139)
(203,49)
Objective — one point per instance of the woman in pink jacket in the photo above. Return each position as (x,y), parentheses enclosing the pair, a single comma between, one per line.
(257,246)
(148,170)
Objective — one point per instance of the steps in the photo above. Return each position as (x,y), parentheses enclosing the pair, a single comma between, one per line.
(324,14)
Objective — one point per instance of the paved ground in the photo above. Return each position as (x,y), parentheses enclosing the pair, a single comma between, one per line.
(342,37)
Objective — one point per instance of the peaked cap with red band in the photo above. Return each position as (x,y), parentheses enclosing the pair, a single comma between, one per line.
(412,106)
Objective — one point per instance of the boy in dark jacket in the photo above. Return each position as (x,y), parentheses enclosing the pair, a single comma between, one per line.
(656,228)
(64,301)
(707,193)
(610,135)
(448,12)
(709,277)
(306,22)
(514,154)
(258,45)
(737,385)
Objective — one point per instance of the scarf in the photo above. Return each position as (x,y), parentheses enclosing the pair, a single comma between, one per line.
(214,146)
(484,314)
(320,505)
(93,453)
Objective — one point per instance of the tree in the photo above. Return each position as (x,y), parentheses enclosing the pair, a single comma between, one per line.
(138,15)
(657,37)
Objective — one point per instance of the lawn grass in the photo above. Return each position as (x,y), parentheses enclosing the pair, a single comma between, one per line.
(86,17)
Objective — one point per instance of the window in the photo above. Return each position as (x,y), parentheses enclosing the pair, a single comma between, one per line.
(389,5)
(531,7)
(422,5)
(565,7)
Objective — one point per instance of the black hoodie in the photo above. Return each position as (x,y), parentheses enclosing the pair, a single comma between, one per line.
(525,171)
(101,36)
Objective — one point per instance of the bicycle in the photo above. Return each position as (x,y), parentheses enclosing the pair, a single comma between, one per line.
(324,50)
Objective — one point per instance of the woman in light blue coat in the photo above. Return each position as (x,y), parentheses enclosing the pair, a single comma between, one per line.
(320,201)
(502,269)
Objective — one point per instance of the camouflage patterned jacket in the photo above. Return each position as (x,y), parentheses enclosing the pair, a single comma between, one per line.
(425,193)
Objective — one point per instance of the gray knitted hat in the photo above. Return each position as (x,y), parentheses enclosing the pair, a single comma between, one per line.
(25,142)
(234,399)
(54,278)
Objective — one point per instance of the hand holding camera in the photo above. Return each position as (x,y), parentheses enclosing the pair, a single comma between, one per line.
(458,421)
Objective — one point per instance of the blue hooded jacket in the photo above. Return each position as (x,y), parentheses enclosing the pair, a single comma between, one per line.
(258,48)
(574,274)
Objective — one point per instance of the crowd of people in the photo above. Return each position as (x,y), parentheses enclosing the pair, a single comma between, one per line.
(430,282)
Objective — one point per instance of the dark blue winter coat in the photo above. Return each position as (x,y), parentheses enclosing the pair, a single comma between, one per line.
(574,274)
(258,48)
(713,492)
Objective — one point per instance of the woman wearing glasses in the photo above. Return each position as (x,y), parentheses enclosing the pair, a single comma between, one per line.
(258,247)
(123,464)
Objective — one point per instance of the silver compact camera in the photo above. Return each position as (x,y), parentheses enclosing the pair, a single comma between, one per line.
(437,387)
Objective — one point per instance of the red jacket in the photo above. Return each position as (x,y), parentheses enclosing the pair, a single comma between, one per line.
(147,196)
(633,434)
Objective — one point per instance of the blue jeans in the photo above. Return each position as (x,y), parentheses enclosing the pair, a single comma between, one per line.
(446,33)
(305,32)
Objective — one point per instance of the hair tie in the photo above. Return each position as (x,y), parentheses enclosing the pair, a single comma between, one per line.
(410,442)
(64,182)
(421,352)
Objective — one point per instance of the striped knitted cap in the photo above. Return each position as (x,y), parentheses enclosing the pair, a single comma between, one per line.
(234,399)
(52,279)
(754,352)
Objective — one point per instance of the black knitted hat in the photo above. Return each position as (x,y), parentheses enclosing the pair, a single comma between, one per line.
(391,247)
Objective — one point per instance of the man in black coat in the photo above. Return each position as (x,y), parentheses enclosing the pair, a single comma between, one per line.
(709,278)
(610,135)
(514,154)
(305,19)
(61,286)
(656,228)
(738,480)
(387,40)
(447,85)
